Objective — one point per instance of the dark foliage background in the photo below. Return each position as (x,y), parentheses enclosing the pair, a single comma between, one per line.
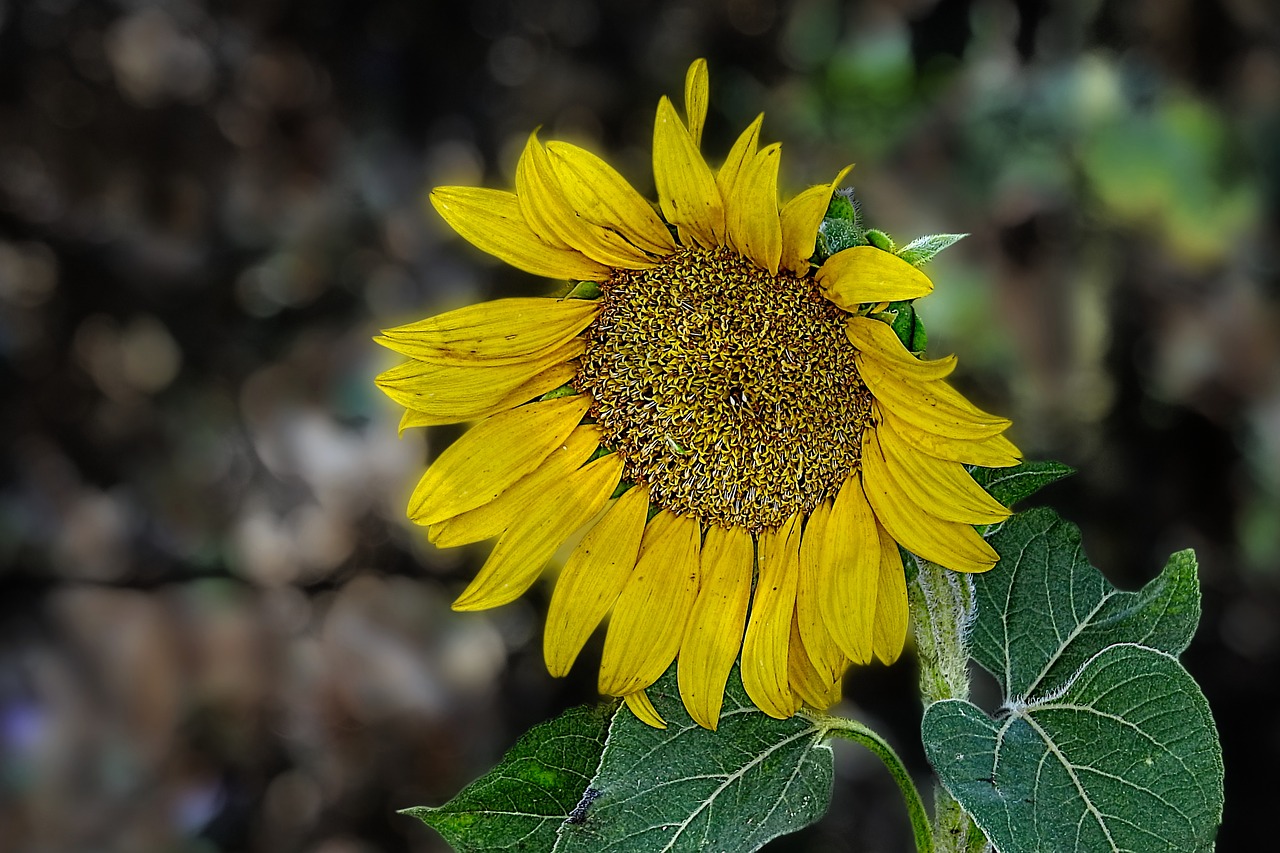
(220,634)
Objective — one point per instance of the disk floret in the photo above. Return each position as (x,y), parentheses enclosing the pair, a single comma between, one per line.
(732,393)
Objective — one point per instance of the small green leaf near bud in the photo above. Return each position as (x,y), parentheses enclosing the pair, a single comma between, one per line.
(923,249)
(880,240)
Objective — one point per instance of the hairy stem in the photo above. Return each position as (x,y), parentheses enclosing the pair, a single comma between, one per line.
(942,607)
(858,733)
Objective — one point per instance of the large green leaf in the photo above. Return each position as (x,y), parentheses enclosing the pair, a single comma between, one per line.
(1104,742)
(688,789)
(1125,758)
(519,805)
(1043,611)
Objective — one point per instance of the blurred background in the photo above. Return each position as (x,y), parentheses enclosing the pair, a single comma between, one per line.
(217,630)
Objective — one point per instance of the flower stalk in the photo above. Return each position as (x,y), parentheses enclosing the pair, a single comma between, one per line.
(943,610)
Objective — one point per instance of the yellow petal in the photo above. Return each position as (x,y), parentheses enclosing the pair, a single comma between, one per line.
(942,489)
(603,197)
(506,509)
(955,546)
(714,634)
(491,456)
(751,212)
(851,563)
(814,688)
(592,579)
(801,217)
(890,631)
(640,705)
(552,217)
(993,452)
(934,407)
(766,646)
(527,545)
(491,221)
(866,274)
(649,618)
(876,341)
(827,657)
(504,331)
(461,393)
(482,405)
(696,98)
(687,191)
(742,152)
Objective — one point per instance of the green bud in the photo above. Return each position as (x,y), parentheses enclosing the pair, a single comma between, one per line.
(880,240)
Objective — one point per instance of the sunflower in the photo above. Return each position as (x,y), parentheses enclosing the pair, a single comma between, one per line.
(747,446)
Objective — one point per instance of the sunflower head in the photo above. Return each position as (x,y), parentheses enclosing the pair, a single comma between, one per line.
(745,440)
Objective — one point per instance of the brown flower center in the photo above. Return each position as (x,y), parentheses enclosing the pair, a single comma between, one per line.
(732,393)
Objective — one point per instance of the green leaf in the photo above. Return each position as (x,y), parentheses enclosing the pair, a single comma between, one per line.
(1104,742)
(520,804)
(1011,485)
(923,249)
(1044,610)
(1123,758)
(684,788)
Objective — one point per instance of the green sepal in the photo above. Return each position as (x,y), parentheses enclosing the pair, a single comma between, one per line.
(556,393)
(906,324)
(841,227)
(584,290)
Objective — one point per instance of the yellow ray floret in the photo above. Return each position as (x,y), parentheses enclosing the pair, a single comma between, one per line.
(751,210)
(603,197)
(742,152)
(505,331)
(687,191)
(714,635)
(490,457)
(847,572)
(800,218)
(593,578)
(955,546)
(551,215)
(766,646)
(994,451)
(491,220)
(811,686)
(876,341)
(823,651)
(442,389)
(697,97)
(650,615)
(493,518)
(865,274)
(890,631)
(525,547)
